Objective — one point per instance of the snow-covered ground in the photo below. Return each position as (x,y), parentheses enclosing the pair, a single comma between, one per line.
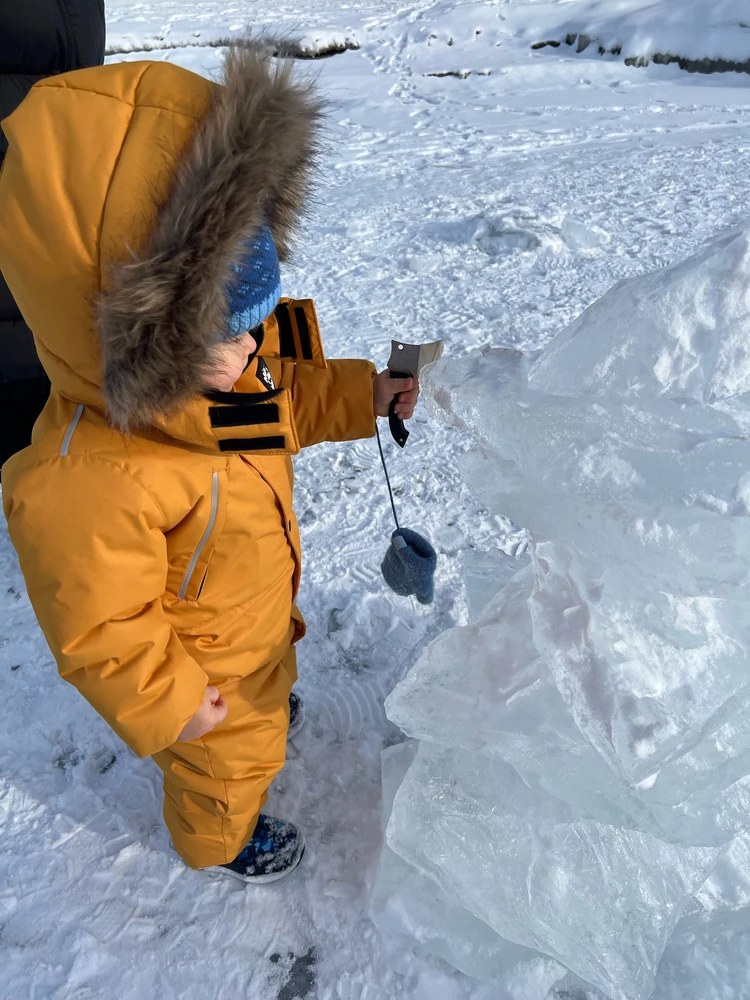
(475,189)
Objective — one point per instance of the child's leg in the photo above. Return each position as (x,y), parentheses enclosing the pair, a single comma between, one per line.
(215,787)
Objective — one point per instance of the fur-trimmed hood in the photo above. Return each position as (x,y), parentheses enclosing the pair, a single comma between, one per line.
(249,162)
(127,195)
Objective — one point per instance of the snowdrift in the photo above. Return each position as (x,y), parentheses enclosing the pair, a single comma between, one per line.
(706,36)
(577,794)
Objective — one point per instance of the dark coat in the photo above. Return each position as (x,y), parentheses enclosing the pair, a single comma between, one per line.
(38,38)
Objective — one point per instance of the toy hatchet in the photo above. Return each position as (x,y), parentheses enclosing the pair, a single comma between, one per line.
(407,361)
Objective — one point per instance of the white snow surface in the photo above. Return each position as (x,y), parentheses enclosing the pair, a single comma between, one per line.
(490,207)
(698,29)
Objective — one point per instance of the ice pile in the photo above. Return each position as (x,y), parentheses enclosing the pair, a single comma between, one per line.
(581,789)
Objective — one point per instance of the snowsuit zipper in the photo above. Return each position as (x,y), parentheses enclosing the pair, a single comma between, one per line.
(204,539)
(71,51)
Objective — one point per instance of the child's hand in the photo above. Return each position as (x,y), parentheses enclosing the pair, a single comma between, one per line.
(384,388)
(212,711)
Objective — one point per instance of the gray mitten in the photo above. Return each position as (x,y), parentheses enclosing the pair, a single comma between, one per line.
(409,566)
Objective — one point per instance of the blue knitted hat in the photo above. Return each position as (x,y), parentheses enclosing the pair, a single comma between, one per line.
(255,289)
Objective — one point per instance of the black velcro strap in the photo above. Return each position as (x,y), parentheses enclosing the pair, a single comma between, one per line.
(287,348)
(254,444)
(244,416)
(241,398)
(304,333)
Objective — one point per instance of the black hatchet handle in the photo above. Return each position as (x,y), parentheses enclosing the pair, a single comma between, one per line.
(398,430)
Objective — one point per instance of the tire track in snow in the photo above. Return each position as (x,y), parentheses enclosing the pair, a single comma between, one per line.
(350,709)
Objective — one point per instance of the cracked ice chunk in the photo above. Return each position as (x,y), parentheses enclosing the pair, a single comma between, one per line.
(586,742)
(640,605)
(647,675)
(404,901)
(723,901)
(485,574)
(601,900)
(484,688)
(707,968)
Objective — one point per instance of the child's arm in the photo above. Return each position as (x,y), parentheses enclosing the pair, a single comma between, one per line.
(335,403)
(340,402)
(92,549)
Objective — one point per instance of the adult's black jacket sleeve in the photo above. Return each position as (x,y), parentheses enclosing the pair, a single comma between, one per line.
(38,38)
(41,38)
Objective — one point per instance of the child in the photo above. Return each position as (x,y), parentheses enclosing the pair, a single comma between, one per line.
(142,211)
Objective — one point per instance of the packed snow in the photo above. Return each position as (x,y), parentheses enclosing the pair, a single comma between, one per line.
(487,194)
(711,35)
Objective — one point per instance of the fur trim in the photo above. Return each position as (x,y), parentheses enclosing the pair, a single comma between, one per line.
(249,163)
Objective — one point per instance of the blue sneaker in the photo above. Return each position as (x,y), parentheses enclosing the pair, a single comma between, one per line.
(275,850)
(296,715)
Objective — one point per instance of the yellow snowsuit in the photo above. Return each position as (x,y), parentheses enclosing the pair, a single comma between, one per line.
(166,556)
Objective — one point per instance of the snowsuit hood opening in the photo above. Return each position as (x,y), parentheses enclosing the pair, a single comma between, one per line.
(119,240)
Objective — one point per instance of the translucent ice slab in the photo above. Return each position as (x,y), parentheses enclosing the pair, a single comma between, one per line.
(485,688)
(639,609)
(582,784)
(404,901)
(602,900)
